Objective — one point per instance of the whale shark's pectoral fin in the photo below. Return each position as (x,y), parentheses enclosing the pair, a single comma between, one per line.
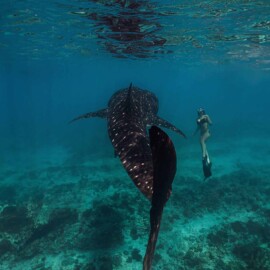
(163,123)
(164,164)
(101,113)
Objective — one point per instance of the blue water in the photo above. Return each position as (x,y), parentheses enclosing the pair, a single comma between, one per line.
(58,61)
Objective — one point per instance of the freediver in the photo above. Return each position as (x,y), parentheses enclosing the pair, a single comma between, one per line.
(203,122)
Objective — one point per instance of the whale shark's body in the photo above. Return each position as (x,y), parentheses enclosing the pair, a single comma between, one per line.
(130,111)
(150,160)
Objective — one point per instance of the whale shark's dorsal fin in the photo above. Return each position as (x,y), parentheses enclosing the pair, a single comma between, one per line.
(130,87)
(129,100)
(100,113)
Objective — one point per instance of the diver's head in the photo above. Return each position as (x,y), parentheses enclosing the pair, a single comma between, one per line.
(201,112)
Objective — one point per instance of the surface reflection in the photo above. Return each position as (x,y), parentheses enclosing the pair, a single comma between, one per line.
(127,28)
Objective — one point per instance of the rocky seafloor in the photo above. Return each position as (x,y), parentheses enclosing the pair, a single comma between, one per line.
(89,216)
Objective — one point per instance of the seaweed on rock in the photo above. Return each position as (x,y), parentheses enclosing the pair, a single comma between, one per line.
(8,194)
(254,256)
(57,220)
(13,219)
(5,247)
(101,228)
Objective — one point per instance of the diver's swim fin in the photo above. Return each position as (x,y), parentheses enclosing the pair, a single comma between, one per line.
(206,167)
(164,164)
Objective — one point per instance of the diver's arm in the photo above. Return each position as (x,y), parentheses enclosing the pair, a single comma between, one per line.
(209,120)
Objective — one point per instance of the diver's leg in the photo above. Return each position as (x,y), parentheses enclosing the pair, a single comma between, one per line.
(204,137)
(203,146)
(206,161)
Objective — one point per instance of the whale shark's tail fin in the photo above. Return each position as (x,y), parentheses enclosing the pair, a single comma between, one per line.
(163,123)
(164,163)
(101,113)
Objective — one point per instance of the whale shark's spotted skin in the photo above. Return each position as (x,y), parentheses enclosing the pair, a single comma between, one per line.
(129,112)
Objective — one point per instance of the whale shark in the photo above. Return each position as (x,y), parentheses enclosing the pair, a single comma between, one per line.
(148,158)
(130,111)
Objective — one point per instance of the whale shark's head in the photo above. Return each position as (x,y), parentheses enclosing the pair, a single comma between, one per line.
(139,99)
